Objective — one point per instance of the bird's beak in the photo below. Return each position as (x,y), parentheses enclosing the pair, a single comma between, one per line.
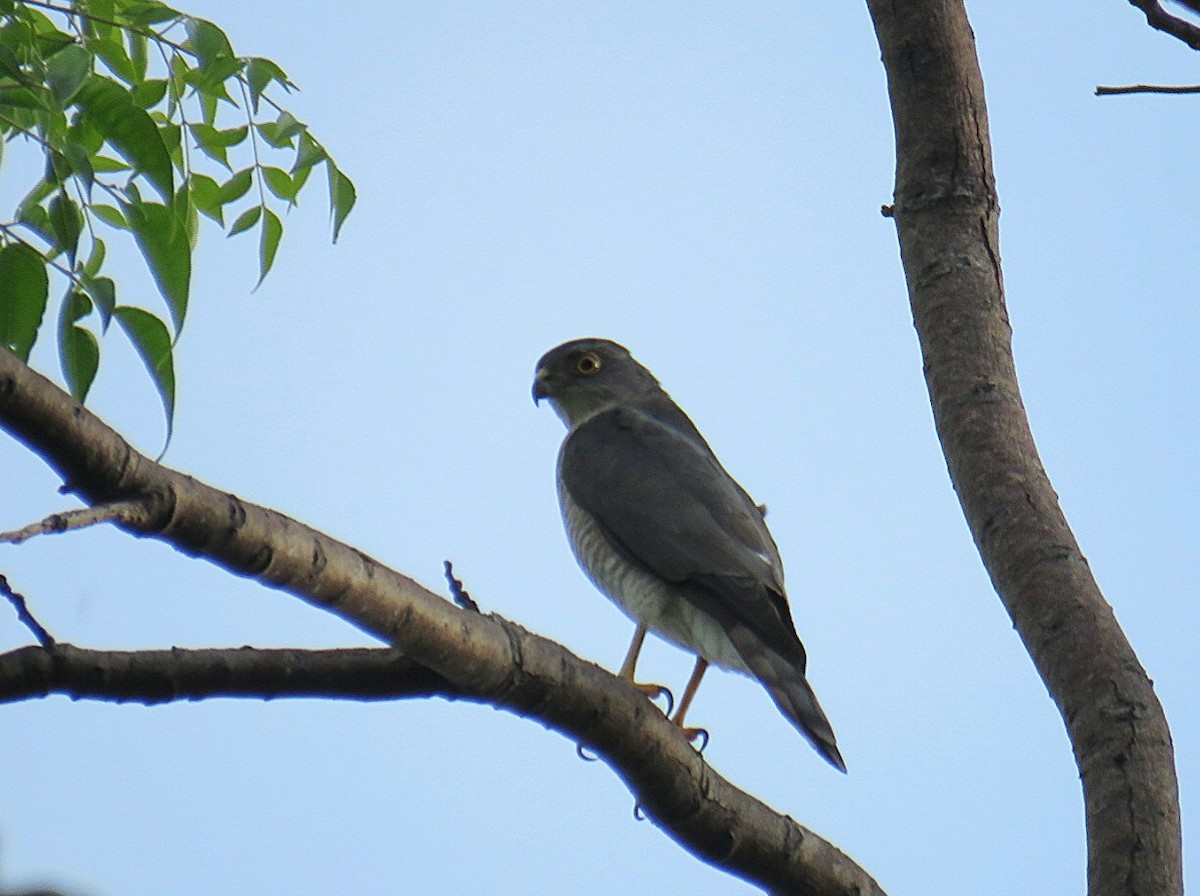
(541,385)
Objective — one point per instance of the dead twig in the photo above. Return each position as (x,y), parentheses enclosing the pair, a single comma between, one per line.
(1146,88)
(131,513)
(22,607)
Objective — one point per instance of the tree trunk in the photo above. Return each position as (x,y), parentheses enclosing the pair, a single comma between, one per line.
(946,213)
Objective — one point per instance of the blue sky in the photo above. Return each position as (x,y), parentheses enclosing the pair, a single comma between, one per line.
(701,182)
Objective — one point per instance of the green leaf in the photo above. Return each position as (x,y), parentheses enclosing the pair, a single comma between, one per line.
(246,220)
(148,94)
(179,68)
(214,143)
(236,187)
(66,221)
(128,128)
(171,134)
(49,39)
(279,183)
(104,164)
(138,45)
(81,165)
(152,340)
(25,98)
(342,197)
(208,107)
(111,216)
(232,136)
(185,210)
(91,267)
(148,13)
(104,293)
(308,154)
(24,288)
(206,194)
(208,42)
(10,65)
(83,133)
(162,236)
(66,72)
(114,57)
(37,219)
(58,167)
(268,244)
(79,353)
(259,75)
(279,133)
(300,178)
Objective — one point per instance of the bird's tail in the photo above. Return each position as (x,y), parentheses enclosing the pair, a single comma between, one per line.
(790,690)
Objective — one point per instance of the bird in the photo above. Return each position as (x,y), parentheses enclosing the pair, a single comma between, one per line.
(668,535)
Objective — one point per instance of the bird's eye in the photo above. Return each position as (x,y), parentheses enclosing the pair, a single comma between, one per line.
(587,364)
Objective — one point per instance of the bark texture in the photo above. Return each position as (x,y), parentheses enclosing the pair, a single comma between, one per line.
(151,677)
(946,213)
(469,655)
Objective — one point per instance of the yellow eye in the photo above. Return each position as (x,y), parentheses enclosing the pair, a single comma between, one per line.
(587,364)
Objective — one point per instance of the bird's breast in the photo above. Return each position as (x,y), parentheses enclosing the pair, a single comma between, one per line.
(642,595)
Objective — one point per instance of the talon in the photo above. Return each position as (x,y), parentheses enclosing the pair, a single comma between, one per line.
(638,814)
(697,734)
(582,752)
(654,691)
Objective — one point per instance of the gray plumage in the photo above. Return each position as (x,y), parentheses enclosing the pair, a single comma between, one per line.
(666,533)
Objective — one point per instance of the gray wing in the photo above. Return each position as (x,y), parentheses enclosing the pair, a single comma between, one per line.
(665,502)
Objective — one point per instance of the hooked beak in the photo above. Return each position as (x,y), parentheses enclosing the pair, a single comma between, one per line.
(541,385)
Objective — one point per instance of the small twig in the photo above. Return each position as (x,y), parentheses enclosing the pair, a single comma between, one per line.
(1146,88)
(18,601)
(457,591)
(130,512)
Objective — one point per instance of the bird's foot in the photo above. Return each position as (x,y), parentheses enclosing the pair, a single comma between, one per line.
(696,734)
(654,692)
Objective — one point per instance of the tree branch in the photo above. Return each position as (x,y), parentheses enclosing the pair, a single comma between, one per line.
(481,657)
(25,617)
(1147,88)
(1161,20)
(946,214)
(129,512)
(165,676)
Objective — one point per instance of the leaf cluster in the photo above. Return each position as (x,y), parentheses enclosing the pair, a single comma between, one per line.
(127,102)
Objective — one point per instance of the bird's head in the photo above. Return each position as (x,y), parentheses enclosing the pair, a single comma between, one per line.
(585,377)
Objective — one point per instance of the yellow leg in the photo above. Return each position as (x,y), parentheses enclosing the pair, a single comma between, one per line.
(653,691)
(631,658)
(689,693)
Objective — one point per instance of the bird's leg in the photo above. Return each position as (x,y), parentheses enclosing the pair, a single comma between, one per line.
(689,693)
(631,658)
(653,691)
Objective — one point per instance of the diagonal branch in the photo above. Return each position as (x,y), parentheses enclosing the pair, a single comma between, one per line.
(946,214)
(482,657)
(1161,20)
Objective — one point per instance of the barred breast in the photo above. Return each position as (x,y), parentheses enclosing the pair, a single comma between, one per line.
(643,596)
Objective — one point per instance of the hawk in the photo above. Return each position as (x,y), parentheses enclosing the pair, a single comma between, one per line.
(660,527)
